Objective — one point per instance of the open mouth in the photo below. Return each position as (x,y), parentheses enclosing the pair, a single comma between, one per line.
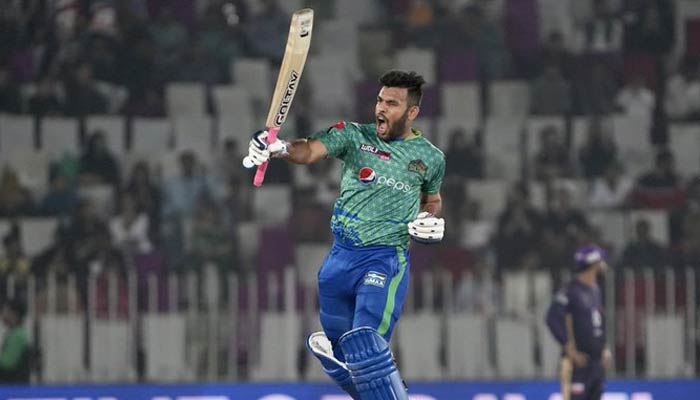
(382,125)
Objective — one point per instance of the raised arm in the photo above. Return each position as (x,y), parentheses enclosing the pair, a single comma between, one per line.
(301,151)
(306,151)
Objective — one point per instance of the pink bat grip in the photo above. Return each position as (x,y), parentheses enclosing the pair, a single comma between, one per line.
(260,173)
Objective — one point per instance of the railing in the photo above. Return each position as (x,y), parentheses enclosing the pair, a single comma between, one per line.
(206,327)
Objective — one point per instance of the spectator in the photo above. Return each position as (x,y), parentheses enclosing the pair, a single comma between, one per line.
(45,101)
(15,352)
(552,159)
(150,103)
(15,199)
(181,194)
(599,151)
(129,229)
(610,191)
(636,99)
(660,187)
(644,251)
(221,35)
(211,239)
(551,93)
(597,89)
(82,95)
(266,33)
(649,27)
(198,66)
(685,229)
(145,194)
(10,99)
(518,230)
(464,155)
(602,33)
(82,235)
(97,165)
(62,197)
(555,54)
(13,263)
(168,35)
(682,100)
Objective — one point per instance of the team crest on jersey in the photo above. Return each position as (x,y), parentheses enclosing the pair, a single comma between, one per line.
(375,279)
(367,176)
(419,167)
(383,155)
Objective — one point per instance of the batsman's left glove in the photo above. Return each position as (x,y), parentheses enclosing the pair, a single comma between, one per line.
(427,228)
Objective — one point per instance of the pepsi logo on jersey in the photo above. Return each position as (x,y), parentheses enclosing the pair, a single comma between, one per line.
(367,176)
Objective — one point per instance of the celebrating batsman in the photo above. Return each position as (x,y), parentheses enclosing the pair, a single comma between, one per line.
(389,193)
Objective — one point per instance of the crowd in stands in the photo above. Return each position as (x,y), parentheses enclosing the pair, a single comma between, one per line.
(82,57)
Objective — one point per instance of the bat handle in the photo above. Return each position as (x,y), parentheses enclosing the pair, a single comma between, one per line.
(262,168)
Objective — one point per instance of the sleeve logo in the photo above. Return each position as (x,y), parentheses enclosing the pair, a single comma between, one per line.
(375,279)
(419,167)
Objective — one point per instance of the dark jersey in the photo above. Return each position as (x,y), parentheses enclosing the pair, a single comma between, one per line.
(585,305)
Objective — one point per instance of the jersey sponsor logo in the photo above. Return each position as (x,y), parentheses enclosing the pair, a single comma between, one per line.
(375,279)
(367,176)
(419,167)
(383,155)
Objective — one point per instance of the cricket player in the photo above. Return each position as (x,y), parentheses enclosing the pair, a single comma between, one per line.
(389,193)
(576,320)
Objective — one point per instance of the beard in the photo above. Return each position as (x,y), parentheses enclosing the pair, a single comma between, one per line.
(397,129)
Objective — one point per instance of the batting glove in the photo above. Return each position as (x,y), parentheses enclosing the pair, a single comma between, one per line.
(259,151)
(427,228)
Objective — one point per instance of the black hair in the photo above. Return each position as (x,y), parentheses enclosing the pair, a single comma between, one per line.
(406,80)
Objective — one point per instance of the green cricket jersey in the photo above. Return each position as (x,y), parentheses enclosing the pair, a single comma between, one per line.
(381,183)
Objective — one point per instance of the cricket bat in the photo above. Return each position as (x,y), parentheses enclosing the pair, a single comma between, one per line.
(292,66)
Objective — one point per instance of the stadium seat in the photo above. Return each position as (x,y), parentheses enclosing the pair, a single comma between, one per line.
(185,99)
(16,135)
(420,342)
(658,220)
(685,145)
(414,59)
(665,344)
(357,11)
(339,37)
(102,198)
(255,75)
(330,82)
(477,234)
(164,343)
(468,347)
(515,355)
(194,134)
(37,234)
(232,101)
(272,204)
(62,346)
(309,258)
(634,147)
(533,128)
(550,350)
(280,341)
(509,99)
(612,226)
(490,194)
(460,100)
(59,136)
(111,352)
(240,128)
(502,147)
(249,244)
(150,136)
(446,125)
(113,128)
(516,293)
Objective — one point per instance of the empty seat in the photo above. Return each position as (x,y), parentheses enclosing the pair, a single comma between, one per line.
(534,128)
(516,293)
(37,234)
(550,350)
(62,348)
(515,355)
(185,99)
(309,258)
(509,99)
(280,335)
(468,347)
(634,147)
(460,100)
(685,145)
(16,135)
(356,11)
(272,204)
(502,146)
(490,194)
(255,75)
(612,227)
(164,346)
(420,342)
(194,134)
(330,83)
(150,136)
(113,129)
(232,101)
(240,128)
(664,348)
(111,350)
(414,59)
(59,136)
(248,244)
